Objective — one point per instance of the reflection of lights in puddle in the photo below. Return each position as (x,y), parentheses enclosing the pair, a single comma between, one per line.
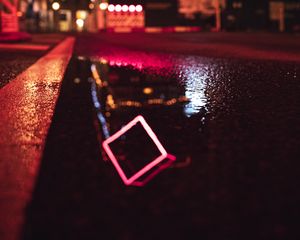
(135,178)
(195,90)
(129,104)
(110,101)
(171,102)
(81,58)
(135,60)
(182,164)
(96,76)
(77,80)
(103,61)
(97,105)
(195,76)
(194,99)
(148,90)
(155,101)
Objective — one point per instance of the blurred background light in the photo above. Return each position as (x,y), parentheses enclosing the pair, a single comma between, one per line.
(103,6)
(55,6)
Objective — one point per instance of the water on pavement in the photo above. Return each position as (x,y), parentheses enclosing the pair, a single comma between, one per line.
(232,124)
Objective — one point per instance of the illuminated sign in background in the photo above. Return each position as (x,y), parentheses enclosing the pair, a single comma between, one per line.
(125,17)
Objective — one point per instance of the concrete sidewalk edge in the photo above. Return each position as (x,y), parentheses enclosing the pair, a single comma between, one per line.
(27,107)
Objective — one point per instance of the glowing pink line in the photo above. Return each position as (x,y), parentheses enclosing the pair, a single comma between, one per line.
(152,135)
(150,165)
(171,157)
(146,169)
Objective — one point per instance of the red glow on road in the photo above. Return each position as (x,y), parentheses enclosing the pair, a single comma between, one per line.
(133,180)
(138,60)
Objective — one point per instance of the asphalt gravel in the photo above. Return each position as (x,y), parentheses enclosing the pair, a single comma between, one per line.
(15,61)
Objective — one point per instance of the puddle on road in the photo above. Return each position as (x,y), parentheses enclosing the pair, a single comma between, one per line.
(171,97)
(202,110)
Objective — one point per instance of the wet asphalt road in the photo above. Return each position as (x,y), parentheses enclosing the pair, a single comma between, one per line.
(236,138)
(15,61)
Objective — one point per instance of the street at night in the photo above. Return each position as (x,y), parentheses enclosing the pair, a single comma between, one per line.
(149,119)
(226,105)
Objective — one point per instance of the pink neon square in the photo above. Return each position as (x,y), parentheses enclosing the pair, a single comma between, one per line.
(164,155)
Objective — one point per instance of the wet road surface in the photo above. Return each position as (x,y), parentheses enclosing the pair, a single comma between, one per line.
(13,61)
(231,120)
(251,46)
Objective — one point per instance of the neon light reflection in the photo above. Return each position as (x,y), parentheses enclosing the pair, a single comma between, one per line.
(133,180)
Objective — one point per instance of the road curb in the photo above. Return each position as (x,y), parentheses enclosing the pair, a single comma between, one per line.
(27,106)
